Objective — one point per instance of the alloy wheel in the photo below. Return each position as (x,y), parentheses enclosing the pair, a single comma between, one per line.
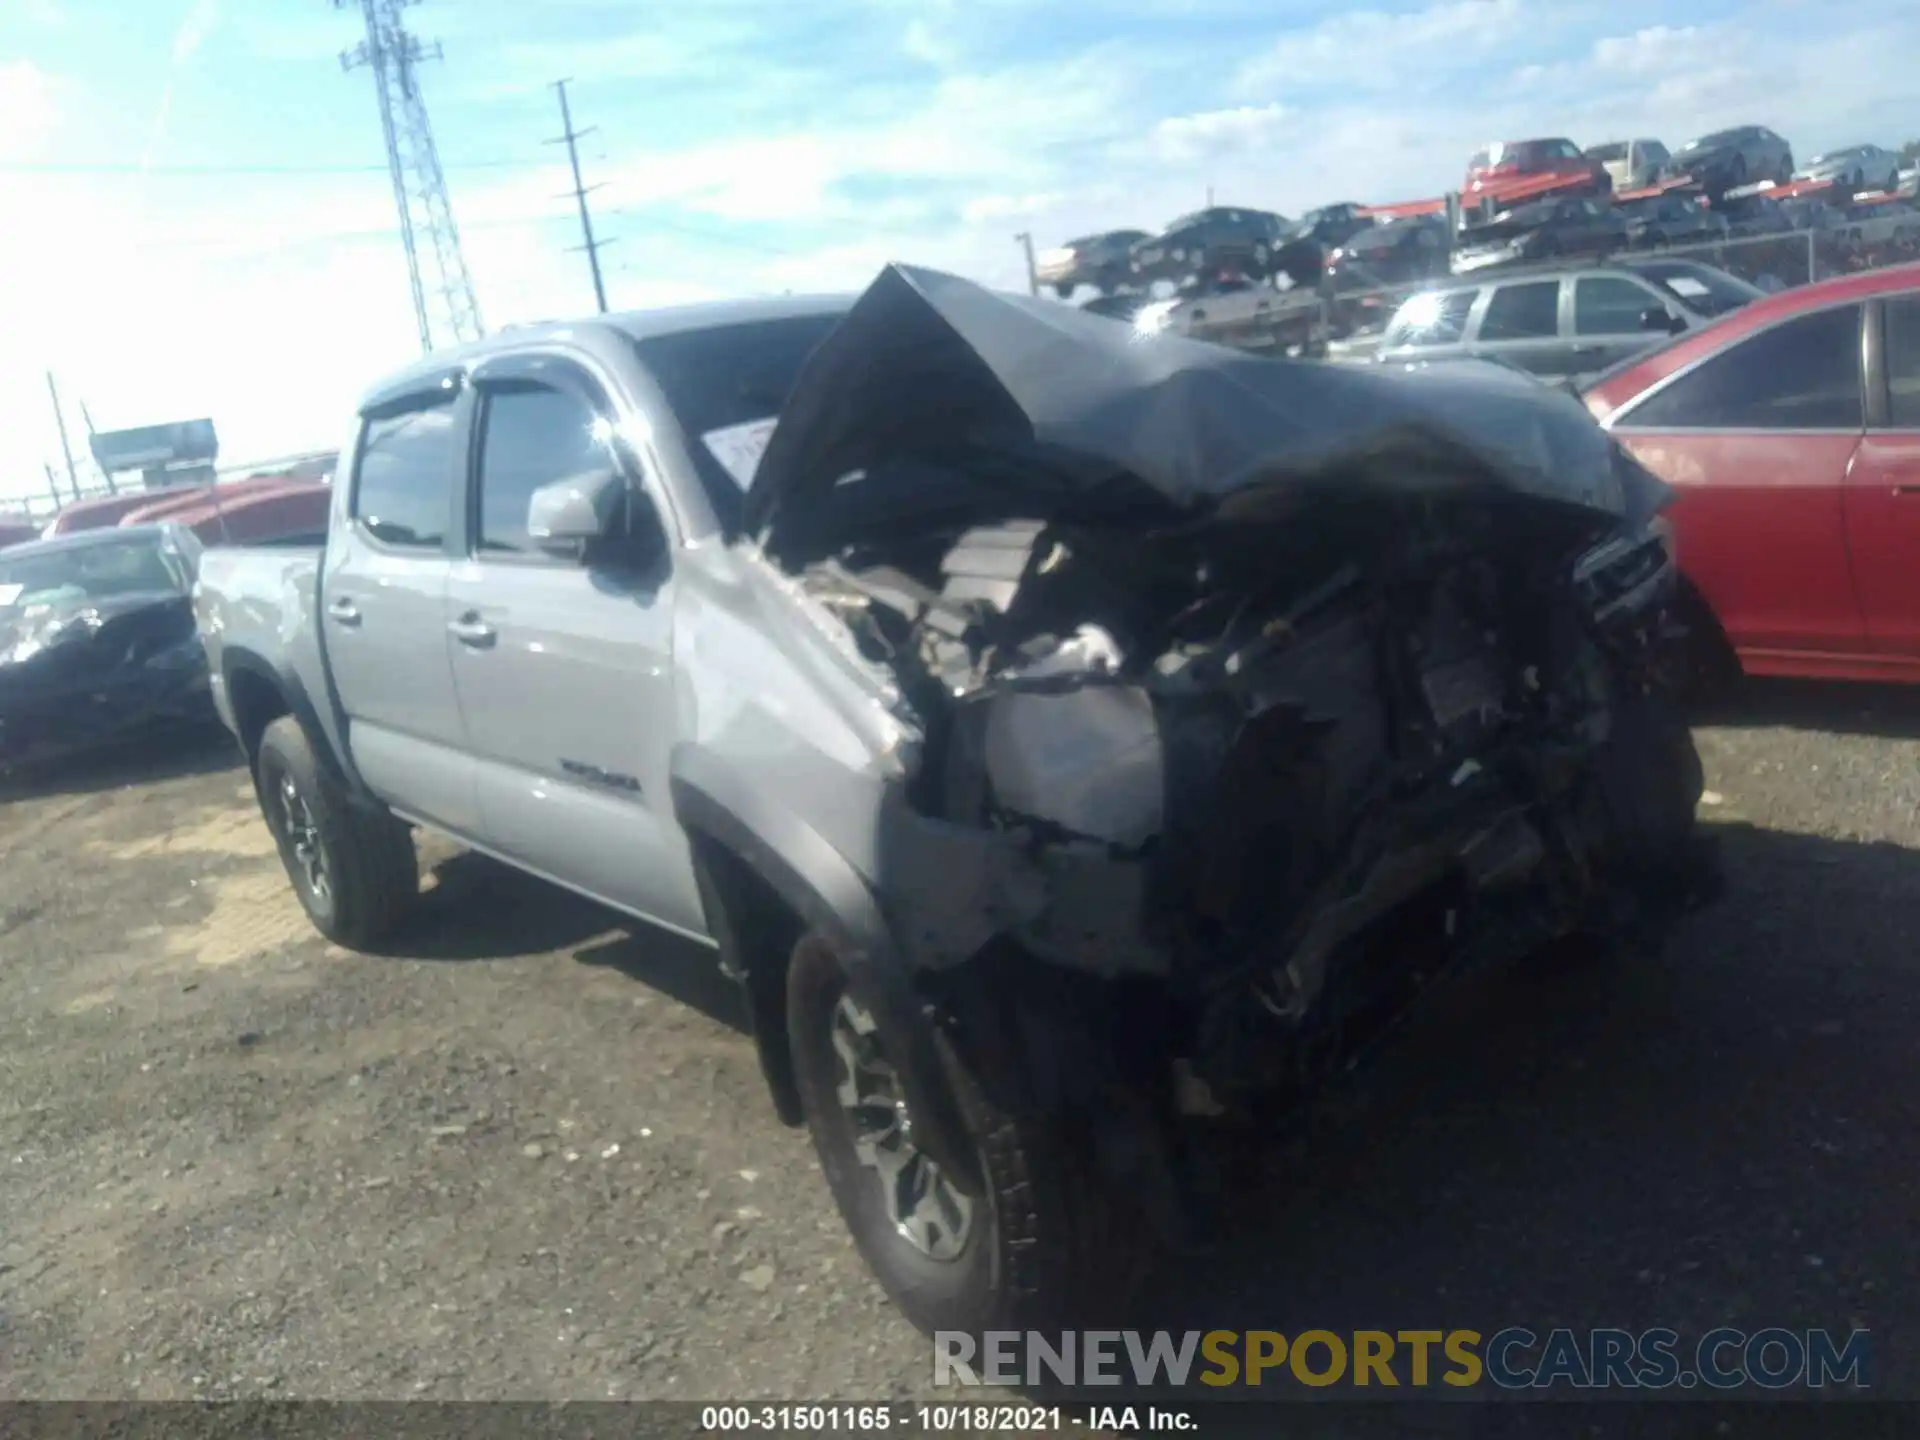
(926,1209)
(302,833)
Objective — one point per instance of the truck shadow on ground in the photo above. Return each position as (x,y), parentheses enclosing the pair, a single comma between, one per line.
(480,909)
(1707,1137)
(1889,712)
(1721,1134)
(171,754)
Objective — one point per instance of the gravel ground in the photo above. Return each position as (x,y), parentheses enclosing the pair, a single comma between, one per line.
(528,1154)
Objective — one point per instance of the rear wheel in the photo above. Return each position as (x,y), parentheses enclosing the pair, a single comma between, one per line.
(353,868)
(1037,1248)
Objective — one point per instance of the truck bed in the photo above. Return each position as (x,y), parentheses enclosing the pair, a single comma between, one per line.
(263,599)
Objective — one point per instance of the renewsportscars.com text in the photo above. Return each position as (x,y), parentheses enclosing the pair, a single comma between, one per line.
(1514,1358)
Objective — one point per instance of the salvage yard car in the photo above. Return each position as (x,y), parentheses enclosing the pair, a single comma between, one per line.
(1630,163)
(97,640)
(1564,321)
(1728,159)
(1857,168)
(1791,433)
(1061,737)
(1540,231)
(1257,242)
(1512,170)
(1238,312)
(1102,261)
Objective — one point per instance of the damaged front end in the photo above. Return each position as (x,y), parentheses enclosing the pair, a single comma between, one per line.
(1271,727)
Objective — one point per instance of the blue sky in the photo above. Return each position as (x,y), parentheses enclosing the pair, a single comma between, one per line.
(198,219)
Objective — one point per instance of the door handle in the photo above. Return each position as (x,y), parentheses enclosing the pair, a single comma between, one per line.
(344,612)
(470,630)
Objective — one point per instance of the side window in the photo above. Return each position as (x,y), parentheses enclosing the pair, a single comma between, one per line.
(1903,361)
(530,435)
(1608,305)
(403,483)
(1803,375)
(1431,319)
(1523,312)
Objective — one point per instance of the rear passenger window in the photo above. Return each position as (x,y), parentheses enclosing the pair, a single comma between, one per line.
(1903,361)
(530,436)
(1523,312)
(1607,305)
(1430,319)
(1803,375)
(404,480)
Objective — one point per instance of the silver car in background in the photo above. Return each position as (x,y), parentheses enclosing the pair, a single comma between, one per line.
(1858,167)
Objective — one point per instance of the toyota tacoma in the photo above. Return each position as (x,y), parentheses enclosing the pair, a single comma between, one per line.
(1069,742)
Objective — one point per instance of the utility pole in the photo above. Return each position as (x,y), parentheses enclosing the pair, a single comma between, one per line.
(87,420)
(53,486)
(580,193)
(1209,197)
(60,421)
(1025,241)
(413,165)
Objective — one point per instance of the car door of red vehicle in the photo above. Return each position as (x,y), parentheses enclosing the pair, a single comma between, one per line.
(1883,487)
(1758,439)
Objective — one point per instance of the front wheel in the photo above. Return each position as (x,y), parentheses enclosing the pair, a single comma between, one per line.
(353,868)
(1038,1247)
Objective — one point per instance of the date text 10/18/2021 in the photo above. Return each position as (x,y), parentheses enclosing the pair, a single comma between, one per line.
(918,1419)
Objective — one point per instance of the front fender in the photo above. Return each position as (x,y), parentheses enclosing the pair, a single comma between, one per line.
(714,801)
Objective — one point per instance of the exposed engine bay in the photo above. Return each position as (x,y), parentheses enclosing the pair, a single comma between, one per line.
(1273,689)
(1241,763)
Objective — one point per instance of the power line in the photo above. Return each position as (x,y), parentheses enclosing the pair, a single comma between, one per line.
(60,167)
(569,138)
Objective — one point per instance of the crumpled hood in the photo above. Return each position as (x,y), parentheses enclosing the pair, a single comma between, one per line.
(926,362)
(28,634)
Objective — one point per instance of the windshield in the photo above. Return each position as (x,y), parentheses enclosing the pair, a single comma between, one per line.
(1715,140)
(76,574)
(724,385)
(1701,288)
(1604,153)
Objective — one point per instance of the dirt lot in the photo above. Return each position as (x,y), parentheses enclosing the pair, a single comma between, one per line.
(528,1154)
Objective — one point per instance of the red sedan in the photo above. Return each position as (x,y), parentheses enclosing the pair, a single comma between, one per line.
(1510,172)
(1791,429)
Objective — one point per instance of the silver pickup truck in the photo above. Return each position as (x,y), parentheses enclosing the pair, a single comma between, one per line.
(1070,742)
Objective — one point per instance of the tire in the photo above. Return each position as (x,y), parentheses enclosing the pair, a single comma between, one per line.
(1856,182)
(1739,172)
(1065,291)
(1041,1247)
(367,874)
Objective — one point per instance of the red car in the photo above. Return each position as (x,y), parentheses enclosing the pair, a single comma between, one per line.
(1791,429)
(1508,172)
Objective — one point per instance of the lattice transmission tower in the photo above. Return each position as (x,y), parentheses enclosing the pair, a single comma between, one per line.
(443,301)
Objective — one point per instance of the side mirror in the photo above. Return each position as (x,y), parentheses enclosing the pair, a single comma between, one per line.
(1657,317)
(566,516)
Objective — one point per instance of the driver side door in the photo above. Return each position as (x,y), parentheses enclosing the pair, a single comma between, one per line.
(564,663)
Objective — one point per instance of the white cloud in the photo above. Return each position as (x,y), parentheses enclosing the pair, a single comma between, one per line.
(1381,51)
(1185,139)
(28,110)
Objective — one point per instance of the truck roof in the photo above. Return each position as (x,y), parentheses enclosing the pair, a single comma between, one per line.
(634,324)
